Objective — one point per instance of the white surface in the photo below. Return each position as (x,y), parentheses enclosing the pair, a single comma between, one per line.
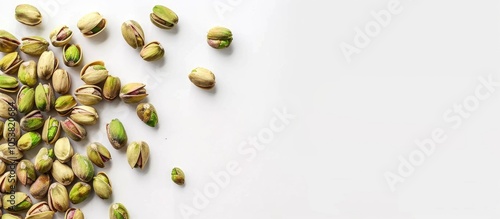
(352,120)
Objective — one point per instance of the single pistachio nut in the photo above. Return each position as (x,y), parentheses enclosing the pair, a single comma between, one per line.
(74,130)
(28,14)
(102,185)
(79,192)
(9,154)
(8,182)
(63,150)
(163,17)
(51,130)
(44,97)
(202,78)
(147,113)
(82,167)
(178,176)
(74,213)
(73,55)
(40,187)
(64,104)
(118,211)
(84,115)
(61,81)
(138,154)
(40,210)
(28,141)
(11,216)
(32,121)
(34,45)
(10,63)
(25,171)
(133,34)
(25,99)
(98,154)
(27,73)
(133,92)
(111,88)
(152,51)
(12,130)
(43,161)
(94,73)
(8,42)
(58,198)
(91,24)
(62,173)
(16,202)
(61,36)
(116,134)
(8,84)
(88,95)
(8,107)
(219,37)
(47,64)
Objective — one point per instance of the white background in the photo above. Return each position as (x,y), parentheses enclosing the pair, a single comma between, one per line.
(353,120)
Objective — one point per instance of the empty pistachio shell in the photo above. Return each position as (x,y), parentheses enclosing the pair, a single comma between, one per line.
(116,134)
(147,113)
(57,197)
(88,95)
(32,121)
(47,64)
(219,37)
(10,63)
(79,192)
(25,99)
(102,185)
(16,202)
(111,88)
(25,171)
(98,154)
(34,45)
(61,36)
(94,73)
(91,24)
(51,130)
(82,167)
(72,55)
(62,173)
(28,14)
(9,154)
(61,81)
(8,182)
(27,73)
(40,210)
(64,104)
(28,141)
(138,154)
(8,107)
(84,115)
(74,130)
(11,130)
(163,17)
(133,92)
(133,34)
(8,42)
(74,213)
(152,51)
(40,187)
(202,77)
(178,176)
(63,150)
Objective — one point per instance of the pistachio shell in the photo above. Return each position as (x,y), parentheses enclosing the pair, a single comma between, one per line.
(65,104)
(138,154)
(219,37)
(111,88)
(74,213)
(8,182)
(79,192)
(25,99)
(8,107)
(94,73)
(84,115)
(28,14)
(32,121)
(58,197)
(74,130)
(88,95)
(98,154)
(10,63)
(63,150)
(28,141)
(91,24)
(102,185)
(163,17)
(62,173)
(44,97)
(8,84)
(47,64)
(147,113)
(116,134)
(40,187)
(72,55)
(27,73)
(133,92)
(178,176)
(25,171)
(34,45)
(8,42)
(43,161)
(202,78)
(20,202)
(61,81)
(133,34)
(61,36)
(40,210)
(82,167)
(51,130)
(12,130)
(152,51)
(9,154)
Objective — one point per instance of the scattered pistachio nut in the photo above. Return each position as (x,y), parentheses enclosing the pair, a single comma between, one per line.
(111,88)
(11,130)
(10,155)
(147,113)
(73,55)
(74,213)
(47,64)
(74,130)
(10,63)
(152,51)
(28,14)
(43,161)
(25,99)
(82,167)
(88,95)
(94,73)
(58,198)
(40,187)
(8,42)
(64,104)
(98,154)
(62,173)
(219,37)
(40,210)
(8,107)
(163,17)
(202,78)
(8,182)
(91,24)
(8,84)
(51,130)
(84,115)
(102,185)
(178,176)
(133,92)
(118,211)
(61,36)
(28,141)
(138,154)
(61,81)
(116,134)
(63,150)
(25,171)
(34,45)
(79,192)
(32,121)
(133,34)
(27,73)
(19,202)
(44,97)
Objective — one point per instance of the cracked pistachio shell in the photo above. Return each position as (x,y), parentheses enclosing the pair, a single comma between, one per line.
(20,202)
(11,130)
(138,154)
(102,185)
(8,107)
(98,154)
(116,134)
(40,187)
(84,115)
(25,171)
(118,211)
(91,24)
(82,167)
(43,161)
(178,176)
(88,95)
(63,150)
(57,197)
(34,45)
(163,17)
(32,121)
(9,64)
(27,73)
(29,141)
(44,97)
(74,213)
(147,113)
(152,51)
(111,88)
(202,78)
(25,99)
(219,37)
(133,34)
(8,42)
(28,14)
(47,64)
(133,92)
(9,154)
(94,73)
(61,36)
(61,81)
(62,173)
(64,104)
(79,192)
(40,210)
(72,55)
(8,84)
(51,130)
(8,182)
(73,130)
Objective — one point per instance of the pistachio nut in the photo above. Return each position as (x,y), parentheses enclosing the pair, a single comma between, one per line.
(10,154)
(8,84)
(64,104)
(82,167)
(178,176)
(133,34)
(116,134)
(74,213)
(61,36)
(91,24)
(219,37)
(40,210)
(27,73)
(74,130)
(16,202)
(138,154)
(43,161)
(152,51)
(11,130)
(102,185)
(25,99)
(47,64)
(44,97)
(147,113)
(28,141)
(61,81)
(40,187)
(98,154)
(94,73)
(88,95)
(118,211)
(57,197)
(28,14)
(79,192)
(25,171)
(84,115)
(62,173)
(3,167)
(63,150)
(9,64)
(163,17)
(32,121)
(111,88)
(8,182)
(133,92)
(8,107)
(73,55)
(8,42)
(51,130)
(34,45)
(202,78)
(11,216)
